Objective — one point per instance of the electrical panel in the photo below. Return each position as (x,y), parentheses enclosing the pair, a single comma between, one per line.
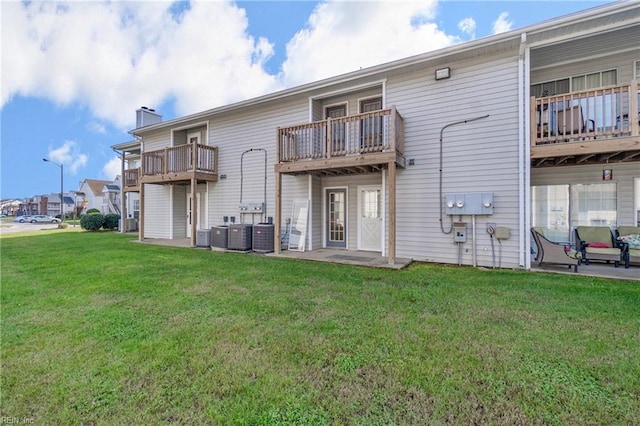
(252,208)
(469,204)
(459,232)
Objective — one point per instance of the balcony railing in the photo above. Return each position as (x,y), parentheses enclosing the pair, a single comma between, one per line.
(132,177)
(178,159)
(366,133)
(590,115)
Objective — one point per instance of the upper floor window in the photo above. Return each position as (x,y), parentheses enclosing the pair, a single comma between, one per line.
(575,83)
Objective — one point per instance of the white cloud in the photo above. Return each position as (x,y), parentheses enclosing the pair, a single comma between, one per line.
(344,36)
(69,156)
(115,56)
(112,168)
(468,26)
(95,127)
(502,24)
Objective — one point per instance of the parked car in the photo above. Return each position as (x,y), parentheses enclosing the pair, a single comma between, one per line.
(43,218)
(22,219)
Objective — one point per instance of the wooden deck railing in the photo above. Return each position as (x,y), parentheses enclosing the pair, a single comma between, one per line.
(597,114)
(132,177)
(370,132)
(182,158)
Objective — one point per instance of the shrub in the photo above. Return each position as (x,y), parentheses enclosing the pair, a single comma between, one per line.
(93,211)
(63,225)
(92,222)
(111,221)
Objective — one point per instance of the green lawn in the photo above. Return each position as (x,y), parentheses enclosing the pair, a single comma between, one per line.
(97,329)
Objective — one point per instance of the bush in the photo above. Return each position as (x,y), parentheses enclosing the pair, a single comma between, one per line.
(63,225)
(93,211)
(92,222)
(111,221)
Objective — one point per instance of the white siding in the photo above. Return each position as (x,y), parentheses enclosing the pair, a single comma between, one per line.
(623,62)
(156,211)
(481,156)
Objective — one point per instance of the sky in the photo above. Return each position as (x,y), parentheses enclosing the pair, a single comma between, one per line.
(73,73)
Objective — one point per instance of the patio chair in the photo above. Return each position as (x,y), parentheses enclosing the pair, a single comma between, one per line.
(598,243)
(555,253)
(571,121)
(630,235)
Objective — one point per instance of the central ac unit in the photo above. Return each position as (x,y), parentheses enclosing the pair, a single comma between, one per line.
(239,237)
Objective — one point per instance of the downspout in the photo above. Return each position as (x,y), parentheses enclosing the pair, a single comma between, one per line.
(523,155)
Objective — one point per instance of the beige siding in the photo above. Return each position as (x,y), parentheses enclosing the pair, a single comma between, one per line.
(480,156)
(623,175)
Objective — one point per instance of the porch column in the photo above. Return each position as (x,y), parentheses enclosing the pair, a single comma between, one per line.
(278,207)
(123,200)
(392,212)
(194,212)
(141,218)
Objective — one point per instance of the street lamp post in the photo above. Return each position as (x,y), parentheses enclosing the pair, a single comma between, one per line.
(46,160)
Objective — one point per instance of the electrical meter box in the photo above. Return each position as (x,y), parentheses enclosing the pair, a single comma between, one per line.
(469,204)
(459,232)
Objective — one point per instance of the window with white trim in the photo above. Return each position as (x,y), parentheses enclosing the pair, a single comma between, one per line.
(577,83)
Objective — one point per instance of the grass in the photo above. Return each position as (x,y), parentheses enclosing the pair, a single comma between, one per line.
(97,329)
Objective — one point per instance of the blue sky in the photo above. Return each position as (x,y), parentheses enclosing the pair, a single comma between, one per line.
(74,73)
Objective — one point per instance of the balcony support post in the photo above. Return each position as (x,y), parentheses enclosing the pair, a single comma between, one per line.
(633,108)
(278,213)
(392,212)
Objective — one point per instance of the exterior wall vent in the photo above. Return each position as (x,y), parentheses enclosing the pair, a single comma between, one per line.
(146,117)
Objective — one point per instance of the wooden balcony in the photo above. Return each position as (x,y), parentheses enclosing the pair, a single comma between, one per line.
(181,163)
(131,181)
(360,143)
(591,126)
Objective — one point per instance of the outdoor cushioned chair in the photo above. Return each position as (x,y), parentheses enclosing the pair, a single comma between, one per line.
(598,243)
(556,253)
(630,235)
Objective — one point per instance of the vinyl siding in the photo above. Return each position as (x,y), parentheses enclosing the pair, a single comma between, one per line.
(179,216)
(481,156)
(253,128)
(156,211)
(622,62)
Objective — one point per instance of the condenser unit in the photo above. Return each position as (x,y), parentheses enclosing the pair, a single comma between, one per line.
(219,236)
(203,238)
(239,237)
(263,234)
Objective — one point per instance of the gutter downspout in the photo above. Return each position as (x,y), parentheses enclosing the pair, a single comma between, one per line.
(524,155)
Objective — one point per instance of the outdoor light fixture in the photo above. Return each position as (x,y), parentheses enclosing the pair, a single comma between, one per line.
(46,160)
(443,73)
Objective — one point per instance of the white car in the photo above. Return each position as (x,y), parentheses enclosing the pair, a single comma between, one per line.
(22,219)
(42,218)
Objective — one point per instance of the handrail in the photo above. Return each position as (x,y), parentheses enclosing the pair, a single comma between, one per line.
(585,115)
(179,159)
(369,132)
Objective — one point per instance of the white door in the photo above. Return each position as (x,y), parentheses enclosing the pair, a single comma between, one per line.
(189,215)
(370,218)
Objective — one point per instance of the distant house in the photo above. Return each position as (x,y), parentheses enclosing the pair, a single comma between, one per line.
(440,157)
(93,190)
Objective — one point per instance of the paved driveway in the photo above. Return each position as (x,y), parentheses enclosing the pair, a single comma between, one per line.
(9,227)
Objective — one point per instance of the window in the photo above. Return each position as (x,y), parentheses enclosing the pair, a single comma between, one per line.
(550,210)
(636,74)
(594,204)
(593,80)
(576,83)
(560,208)
(371,131)
(136,205)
